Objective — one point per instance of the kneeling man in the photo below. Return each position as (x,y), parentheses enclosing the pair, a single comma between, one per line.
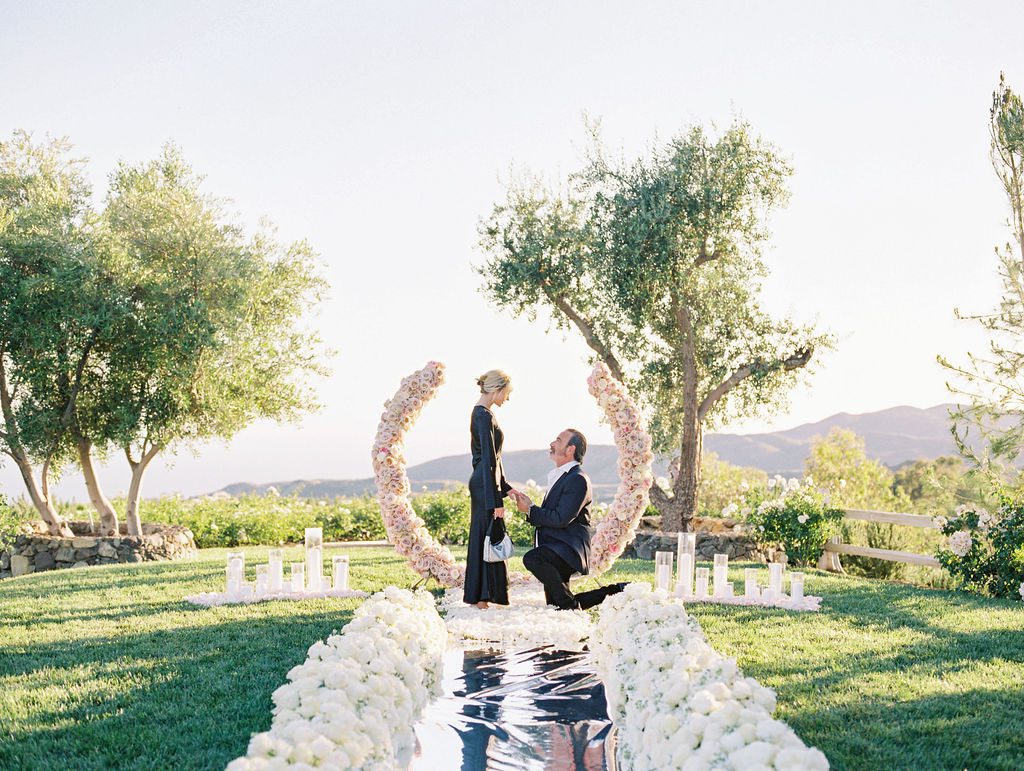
(563,521)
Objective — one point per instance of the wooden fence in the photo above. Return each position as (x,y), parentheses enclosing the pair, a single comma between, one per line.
(830,559)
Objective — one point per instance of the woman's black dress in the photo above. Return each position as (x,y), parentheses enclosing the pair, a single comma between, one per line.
(485,581)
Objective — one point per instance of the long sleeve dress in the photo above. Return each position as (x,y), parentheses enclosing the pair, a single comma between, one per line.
(485,581)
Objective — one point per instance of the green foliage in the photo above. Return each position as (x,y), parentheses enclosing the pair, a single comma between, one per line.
(795,516)
(985,551)
(722,483)
(446,514)
(626,247)
(10,522)
(839,466)
(53,303)
(268,520)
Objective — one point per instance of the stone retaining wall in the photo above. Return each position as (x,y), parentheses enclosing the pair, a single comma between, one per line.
(37,551)
(738,545)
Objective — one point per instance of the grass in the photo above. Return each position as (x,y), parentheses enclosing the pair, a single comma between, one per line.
(107,668)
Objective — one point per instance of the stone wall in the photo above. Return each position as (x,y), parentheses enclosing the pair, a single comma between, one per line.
(37,551)
(737,544)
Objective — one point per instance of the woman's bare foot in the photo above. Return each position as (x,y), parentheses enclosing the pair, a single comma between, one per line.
(481,605)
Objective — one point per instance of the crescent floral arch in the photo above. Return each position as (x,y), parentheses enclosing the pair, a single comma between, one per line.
(407,531)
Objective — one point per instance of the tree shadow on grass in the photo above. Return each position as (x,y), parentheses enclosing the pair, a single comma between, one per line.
(183,698)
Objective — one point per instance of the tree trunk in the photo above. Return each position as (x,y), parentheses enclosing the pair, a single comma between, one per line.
(684,491)
(108,517)
(131,511)
(54,522)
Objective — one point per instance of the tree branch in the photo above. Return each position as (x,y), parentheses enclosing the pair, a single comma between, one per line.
(797,360)
(703,256)
(659,498)
(587,329)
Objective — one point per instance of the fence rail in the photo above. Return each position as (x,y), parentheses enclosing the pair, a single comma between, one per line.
(830,559)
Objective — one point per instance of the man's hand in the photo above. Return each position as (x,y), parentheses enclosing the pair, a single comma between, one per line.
(522,500)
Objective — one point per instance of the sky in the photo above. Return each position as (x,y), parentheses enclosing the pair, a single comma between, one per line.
(382,132)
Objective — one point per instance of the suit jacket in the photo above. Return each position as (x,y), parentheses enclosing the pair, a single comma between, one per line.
(563,519)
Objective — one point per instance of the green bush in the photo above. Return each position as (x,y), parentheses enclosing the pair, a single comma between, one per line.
(10,522)
(446,514)
(985,551)
(267,520)
(794,516)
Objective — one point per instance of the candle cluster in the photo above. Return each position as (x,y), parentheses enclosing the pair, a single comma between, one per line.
(713,585)
(306,578)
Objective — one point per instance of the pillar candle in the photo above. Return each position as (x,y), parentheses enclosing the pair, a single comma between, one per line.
(702,582)
(684,581)
(721,574)
(275,573)
(340,564)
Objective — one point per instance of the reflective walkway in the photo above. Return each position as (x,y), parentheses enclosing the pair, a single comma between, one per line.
(511,711)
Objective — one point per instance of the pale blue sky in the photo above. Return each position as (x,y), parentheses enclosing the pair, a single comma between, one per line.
(379,130)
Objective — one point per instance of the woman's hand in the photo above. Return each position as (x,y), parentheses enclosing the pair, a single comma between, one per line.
(499,513)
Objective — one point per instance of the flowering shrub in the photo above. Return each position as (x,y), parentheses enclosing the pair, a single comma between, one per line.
(794,515)
(677,703)
(353,703)
(986,551)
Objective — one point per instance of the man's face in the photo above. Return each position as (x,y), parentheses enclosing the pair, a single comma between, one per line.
(559,450)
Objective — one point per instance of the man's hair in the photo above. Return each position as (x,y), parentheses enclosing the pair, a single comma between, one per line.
(578,442)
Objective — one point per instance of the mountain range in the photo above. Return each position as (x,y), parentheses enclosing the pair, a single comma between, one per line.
(892,436)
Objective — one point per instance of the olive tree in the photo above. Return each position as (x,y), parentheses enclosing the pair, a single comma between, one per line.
(989,426)
(658,264)
(52,308)
(211,336)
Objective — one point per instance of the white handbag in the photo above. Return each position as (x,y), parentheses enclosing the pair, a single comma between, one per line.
(497,552)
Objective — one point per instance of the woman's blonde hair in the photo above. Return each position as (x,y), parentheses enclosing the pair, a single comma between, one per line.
(493,380)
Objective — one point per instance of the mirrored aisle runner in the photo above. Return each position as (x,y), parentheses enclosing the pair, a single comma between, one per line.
(537,708)
(519,692)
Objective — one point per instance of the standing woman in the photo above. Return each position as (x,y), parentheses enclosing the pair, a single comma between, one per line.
(487,581)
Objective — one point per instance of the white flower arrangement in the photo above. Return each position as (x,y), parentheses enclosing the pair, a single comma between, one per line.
(248,597)
(618,527)
(353,703)
(406,530)
(528,621)
(678,704)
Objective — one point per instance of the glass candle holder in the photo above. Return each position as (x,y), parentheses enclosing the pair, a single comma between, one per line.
(684,580)
(796,586)
(721,574)
(235,573)
(275,573)
(687,544)
(663,570)
(314,558)
(775,570)
(702,582)
(262,580)
(298,577)
(751,590)
(340,565)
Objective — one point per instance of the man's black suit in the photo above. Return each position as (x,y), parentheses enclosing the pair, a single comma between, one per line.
(563,540)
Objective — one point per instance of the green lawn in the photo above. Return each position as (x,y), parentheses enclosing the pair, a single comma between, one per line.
(107,668)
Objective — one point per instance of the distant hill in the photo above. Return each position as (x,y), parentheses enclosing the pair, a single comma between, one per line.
(892,436)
